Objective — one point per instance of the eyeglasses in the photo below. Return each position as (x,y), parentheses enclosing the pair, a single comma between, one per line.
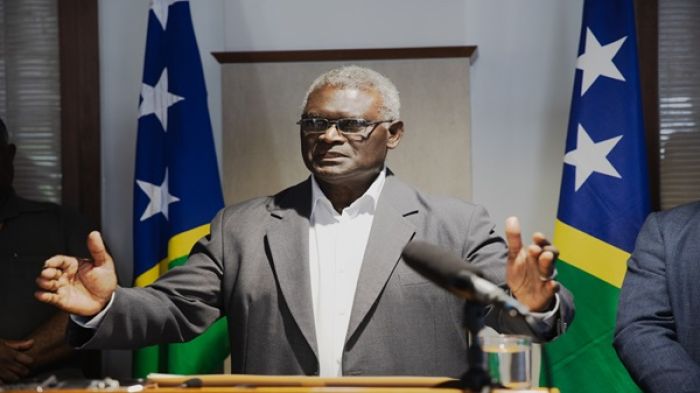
(317,125)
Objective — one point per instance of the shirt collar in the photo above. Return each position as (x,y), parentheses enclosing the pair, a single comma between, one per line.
(367,202)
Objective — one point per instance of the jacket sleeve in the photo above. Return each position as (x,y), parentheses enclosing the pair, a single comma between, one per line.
(175,308)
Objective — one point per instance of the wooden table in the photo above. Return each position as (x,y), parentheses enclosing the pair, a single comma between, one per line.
(245,383)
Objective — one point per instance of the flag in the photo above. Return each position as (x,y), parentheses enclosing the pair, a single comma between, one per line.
(604,199)
(176,190)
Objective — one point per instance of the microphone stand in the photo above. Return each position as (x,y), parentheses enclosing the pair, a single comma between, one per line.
(476,378)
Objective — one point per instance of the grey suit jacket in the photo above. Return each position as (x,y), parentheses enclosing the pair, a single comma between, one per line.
(658,322)
(253,268)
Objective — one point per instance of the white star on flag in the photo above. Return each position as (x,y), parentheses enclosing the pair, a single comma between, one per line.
(159,197)
(597,60)
(157,99)
(160,9)
(589,157)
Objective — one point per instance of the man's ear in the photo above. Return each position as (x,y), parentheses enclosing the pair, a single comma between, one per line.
(395,134)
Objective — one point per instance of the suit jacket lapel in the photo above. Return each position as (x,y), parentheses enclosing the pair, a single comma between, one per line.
(288,239)
(389,235)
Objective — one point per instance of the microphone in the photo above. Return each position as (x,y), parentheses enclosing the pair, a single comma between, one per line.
(453,274)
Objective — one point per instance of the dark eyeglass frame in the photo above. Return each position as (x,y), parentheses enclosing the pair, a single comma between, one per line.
(346,126)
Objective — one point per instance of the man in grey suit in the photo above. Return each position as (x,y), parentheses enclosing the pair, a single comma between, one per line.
(312,279)
(658,319)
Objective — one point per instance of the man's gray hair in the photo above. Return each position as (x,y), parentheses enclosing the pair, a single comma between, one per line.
(356,77)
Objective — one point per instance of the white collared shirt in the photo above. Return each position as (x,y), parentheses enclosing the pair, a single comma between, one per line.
(337,243)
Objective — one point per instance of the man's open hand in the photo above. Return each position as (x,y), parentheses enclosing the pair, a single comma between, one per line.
(79,286)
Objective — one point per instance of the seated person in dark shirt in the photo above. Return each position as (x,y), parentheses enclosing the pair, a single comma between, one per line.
(32,333)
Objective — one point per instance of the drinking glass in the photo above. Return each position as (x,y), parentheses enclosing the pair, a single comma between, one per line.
(508,359)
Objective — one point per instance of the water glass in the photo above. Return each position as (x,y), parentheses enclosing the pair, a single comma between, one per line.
(508,360)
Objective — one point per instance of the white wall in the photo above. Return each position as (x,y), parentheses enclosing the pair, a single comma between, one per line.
(521,93)
(521,83)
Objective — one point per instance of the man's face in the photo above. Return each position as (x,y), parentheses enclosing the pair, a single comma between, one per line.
(336,159)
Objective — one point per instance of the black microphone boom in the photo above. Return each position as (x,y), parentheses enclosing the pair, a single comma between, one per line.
(453,274)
